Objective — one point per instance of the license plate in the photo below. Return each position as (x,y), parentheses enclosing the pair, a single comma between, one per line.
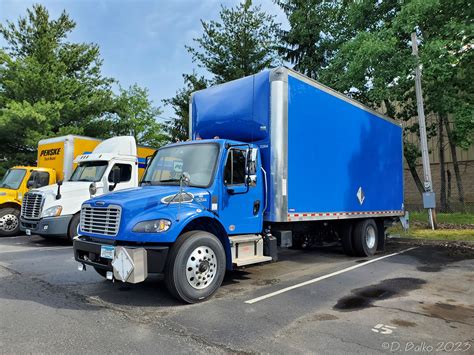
(28,232)
(107,252)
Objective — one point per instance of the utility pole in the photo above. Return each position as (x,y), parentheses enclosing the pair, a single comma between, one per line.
(429,199)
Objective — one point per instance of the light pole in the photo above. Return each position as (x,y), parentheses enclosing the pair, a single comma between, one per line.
(429,199)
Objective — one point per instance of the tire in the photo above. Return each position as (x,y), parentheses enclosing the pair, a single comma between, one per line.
(9,222)
(346,239)
(191,282)
(365,238)
(101,272)
(72,230)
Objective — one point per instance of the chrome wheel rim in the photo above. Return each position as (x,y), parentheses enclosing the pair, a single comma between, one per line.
(370,237)
(201,267)
(8,222)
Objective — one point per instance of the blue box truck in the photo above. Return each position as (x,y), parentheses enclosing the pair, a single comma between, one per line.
(273,160)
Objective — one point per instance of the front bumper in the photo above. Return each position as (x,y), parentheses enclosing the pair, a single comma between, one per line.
(87,251)
(50,226)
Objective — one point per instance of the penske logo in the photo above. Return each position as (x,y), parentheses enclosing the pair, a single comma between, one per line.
(50,152)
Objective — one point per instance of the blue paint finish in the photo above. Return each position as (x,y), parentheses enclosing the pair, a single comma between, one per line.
(237,110)
(334,148)
(236,210)
(144,204)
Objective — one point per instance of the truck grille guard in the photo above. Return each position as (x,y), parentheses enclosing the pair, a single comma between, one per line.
(32,205)
(101,220)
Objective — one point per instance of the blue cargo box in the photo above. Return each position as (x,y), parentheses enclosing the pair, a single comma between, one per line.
(326,156)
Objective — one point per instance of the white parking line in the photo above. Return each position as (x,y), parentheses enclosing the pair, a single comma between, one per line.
(317,279)
(19,250)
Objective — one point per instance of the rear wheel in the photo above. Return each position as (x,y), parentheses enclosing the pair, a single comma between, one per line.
(72,230)
(346,239)
(9,222)
(196,266)
(365,238)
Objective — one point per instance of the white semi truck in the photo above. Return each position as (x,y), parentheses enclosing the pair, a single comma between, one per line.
(115,164)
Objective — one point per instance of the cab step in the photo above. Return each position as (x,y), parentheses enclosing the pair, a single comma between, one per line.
(247,249)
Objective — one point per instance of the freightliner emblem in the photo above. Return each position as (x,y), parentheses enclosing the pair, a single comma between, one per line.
(100,203)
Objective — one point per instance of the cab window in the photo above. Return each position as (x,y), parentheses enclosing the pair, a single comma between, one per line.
(125,172)
(234,172)
(12,179)
(38,179)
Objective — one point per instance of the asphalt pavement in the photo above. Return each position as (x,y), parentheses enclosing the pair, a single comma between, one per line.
(411,298)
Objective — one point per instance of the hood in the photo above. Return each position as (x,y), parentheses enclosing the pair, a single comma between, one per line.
(66,187)
(143,198)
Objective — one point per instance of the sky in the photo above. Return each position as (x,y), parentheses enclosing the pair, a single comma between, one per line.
(141,41)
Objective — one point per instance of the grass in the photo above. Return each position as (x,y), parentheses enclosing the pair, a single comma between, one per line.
(448,218)
(453,226)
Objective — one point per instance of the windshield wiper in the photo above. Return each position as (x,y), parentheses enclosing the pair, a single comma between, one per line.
(170,180)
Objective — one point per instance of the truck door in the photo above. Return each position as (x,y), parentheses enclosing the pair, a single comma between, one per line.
(242,192)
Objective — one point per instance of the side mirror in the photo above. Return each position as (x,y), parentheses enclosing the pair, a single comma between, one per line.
(58,194)
(116,175)
(30,184)
(115,178)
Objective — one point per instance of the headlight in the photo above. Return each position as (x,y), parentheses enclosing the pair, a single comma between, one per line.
(3,193)
(153,226)
(52,211)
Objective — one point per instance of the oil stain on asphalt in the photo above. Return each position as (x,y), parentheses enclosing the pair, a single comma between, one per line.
(364,297)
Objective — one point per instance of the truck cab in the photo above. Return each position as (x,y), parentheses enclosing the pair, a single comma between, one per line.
(54,210)
(15,183)
(213,189)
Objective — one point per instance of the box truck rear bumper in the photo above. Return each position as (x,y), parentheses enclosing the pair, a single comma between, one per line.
(88,252)
(51,226)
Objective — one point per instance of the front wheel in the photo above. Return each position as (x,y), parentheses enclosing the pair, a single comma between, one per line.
(196,266)
(72,230)
(9,222)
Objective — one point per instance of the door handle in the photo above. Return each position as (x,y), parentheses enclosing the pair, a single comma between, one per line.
(256,207)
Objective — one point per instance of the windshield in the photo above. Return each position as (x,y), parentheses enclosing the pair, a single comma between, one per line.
(13,178)
(169,163)
(91,171)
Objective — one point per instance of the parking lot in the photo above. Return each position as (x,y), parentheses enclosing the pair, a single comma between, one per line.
(415,298)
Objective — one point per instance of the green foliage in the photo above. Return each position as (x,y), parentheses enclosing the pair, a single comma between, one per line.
(48,86)
(178,127)
(51,87)
(135,115)
(363,49)
(242,43)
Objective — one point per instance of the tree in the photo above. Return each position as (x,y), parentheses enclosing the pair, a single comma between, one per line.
(135,115)
(363,49)
(242,43)
(178,127)
(48,86)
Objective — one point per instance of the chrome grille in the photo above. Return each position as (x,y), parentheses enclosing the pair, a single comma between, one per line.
(31,205)
(100,220)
